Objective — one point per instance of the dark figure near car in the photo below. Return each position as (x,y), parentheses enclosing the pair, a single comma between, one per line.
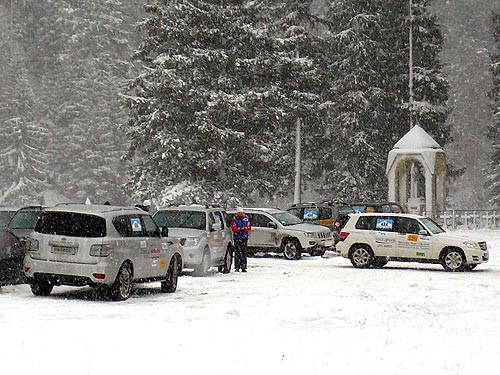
(240,226)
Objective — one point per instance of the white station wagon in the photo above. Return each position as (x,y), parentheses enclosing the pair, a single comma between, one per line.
(376,238)
(100,245)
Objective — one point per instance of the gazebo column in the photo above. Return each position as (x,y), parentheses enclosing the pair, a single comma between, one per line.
(429,193)
(392,185)
(403,182)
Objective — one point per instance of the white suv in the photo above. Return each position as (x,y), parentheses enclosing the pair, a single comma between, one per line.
(202,232)
(100,245)
(281,232)
(376,238)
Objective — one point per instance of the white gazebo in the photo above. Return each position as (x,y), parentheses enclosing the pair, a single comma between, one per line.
(417,173)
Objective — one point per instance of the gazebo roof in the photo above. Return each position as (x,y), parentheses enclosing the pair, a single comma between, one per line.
(416,139)
(415,144)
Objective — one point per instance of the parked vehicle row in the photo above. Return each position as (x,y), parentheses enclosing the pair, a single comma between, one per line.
(112,247)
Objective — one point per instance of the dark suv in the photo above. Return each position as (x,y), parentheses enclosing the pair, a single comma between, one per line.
(380,207)
(333,215)
(12,244)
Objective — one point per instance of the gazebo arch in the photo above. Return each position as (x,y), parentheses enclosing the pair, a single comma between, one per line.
(417,148)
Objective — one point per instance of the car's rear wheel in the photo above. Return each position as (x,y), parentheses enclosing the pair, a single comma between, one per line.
(292,249)
(41,287)
(361,256)
(122,287)
(204,266)
(169,285)
(453,260)
(228,260)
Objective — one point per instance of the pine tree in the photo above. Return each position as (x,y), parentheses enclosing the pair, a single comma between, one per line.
(370,91)
(214,109)
(22,158)
(493,180)
(92,66)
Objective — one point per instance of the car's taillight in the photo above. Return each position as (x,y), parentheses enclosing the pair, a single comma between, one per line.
(102,250)
(31,244)
(344,235)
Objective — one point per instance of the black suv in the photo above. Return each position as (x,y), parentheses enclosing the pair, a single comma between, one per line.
(12,244)
(361,207)
(333,215)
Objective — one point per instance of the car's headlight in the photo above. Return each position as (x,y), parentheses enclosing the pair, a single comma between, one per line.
(192,241)
(470,244)
(311,235)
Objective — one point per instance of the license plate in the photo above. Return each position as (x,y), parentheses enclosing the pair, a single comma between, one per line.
(63,250)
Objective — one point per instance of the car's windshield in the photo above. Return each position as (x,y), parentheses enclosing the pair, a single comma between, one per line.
(24,219)
(181,219)
(432,226)
(286,218)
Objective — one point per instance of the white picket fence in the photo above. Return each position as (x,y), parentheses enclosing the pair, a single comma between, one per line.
(467,219)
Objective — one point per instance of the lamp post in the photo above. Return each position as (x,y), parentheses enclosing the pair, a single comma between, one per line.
(297,192)
(410,63)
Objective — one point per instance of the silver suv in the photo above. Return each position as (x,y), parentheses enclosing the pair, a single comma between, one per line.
(100,245)
(203,233)
(281,232)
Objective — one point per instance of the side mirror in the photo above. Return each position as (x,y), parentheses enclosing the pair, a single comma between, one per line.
(423,232)
(216,226)
(272,224)
(164,231)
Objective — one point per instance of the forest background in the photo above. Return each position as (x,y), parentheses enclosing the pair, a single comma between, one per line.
(119,100)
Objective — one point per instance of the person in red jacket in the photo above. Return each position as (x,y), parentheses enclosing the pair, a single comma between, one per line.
(240,226)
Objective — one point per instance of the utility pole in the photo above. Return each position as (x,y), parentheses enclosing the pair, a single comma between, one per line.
(297,193)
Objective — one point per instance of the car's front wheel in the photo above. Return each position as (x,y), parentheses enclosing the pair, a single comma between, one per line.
(169,285)
(453,260)
(470,267)
(41,287)
(361,256)
(122,287)
(292,249)
(204,266)
(228,260)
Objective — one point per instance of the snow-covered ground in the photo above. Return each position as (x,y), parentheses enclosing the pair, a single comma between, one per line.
(313,316)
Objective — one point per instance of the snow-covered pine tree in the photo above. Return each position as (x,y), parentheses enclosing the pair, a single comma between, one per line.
(92,67)
(370,91)
(493,179)
(214,110)
(23,163)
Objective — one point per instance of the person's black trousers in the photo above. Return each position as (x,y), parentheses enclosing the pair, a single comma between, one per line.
(240,254)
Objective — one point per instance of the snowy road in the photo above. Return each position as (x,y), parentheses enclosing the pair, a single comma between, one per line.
(313,316)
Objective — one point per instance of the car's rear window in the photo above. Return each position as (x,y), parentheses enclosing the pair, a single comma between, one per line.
(71,224)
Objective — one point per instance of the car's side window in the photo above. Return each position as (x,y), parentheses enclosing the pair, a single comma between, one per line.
(211,220)
(136,226)
(259,220)
(219,218)
(408,225)
(367,223)
(385,223)
(325,213)
(150,226)
(121,224)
